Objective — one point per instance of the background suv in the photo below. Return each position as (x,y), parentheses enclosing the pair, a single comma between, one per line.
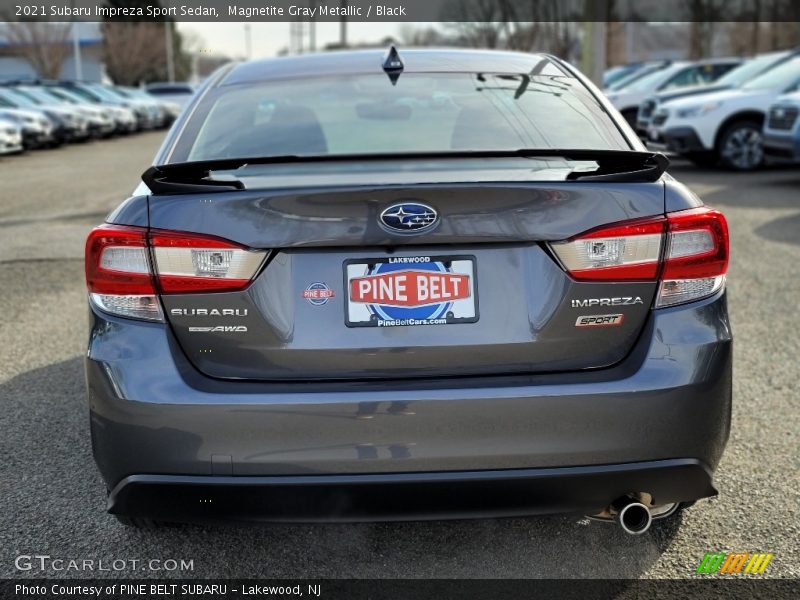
(724,126)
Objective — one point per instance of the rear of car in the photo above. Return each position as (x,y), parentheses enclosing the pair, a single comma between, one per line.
(782,128)
(448,284)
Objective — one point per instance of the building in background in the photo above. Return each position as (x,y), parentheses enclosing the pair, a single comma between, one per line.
(15,61)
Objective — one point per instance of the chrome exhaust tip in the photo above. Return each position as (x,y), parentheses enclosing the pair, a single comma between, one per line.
(634,518)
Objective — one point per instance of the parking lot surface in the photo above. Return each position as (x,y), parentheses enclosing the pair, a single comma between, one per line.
(54,501)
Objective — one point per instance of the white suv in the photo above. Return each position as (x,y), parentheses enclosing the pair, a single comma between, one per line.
(669,77)
(723,126)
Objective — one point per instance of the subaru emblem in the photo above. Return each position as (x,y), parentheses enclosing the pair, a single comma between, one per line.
(409,217)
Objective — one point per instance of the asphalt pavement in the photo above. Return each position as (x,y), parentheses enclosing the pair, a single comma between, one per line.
(54,501)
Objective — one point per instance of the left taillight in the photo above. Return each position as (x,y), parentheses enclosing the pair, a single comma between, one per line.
(118,273)
(686,252)
(127,267)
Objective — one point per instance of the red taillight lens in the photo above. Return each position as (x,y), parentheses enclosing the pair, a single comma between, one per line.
(122,281)
(117,262)
(692,264)
(188,263)
(118,272)
(698,244)
(696,258)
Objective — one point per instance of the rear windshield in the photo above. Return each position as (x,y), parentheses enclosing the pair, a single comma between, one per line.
(422,112)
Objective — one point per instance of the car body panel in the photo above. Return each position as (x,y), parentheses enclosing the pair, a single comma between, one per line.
(669,398)
(317,231)
(782,128)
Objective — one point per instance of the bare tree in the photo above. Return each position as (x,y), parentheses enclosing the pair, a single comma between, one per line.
(542,25)
(133,51)
(477,23)
(705,15)
(411,35)
(44,45)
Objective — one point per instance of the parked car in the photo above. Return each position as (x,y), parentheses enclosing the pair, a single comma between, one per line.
(179,93)
(677,75)
(10,136)
(147,113)
(103,120)
(732,79)
(128,116)
(782,128)
(724,126)
(69,124)
(37,127)
(326,301)
(166,112)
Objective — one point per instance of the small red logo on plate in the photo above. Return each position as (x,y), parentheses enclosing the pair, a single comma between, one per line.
(410,288)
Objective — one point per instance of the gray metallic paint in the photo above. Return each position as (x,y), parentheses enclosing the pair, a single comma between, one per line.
(492,212)
(152,412)
(526,324)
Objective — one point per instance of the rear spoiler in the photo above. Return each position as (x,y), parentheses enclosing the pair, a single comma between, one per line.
(613,166)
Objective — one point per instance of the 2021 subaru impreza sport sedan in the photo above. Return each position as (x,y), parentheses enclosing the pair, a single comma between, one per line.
(407,285)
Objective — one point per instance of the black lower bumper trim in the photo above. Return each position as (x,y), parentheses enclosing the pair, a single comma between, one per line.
(683,140)
(406,496)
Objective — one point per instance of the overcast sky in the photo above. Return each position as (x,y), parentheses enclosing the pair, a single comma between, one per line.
(269,38)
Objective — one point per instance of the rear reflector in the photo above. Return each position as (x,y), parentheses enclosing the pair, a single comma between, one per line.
(687,251)
(121,280)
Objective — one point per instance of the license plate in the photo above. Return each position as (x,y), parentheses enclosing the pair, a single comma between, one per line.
(410,290)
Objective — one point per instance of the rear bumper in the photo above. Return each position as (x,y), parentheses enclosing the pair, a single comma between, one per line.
(153,414)
(407,496)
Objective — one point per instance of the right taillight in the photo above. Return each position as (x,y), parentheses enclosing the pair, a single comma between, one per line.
(126,267)
(695,258)
(686,252)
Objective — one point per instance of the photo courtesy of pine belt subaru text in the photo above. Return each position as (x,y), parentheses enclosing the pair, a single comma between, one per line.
(407,284)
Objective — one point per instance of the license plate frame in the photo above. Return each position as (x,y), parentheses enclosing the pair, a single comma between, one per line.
(387,316)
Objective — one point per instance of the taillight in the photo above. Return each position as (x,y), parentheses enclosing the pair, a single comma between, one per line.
(189,263)
(118,272)
(126,268)
(696,257)
(625,252)
(687,251)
